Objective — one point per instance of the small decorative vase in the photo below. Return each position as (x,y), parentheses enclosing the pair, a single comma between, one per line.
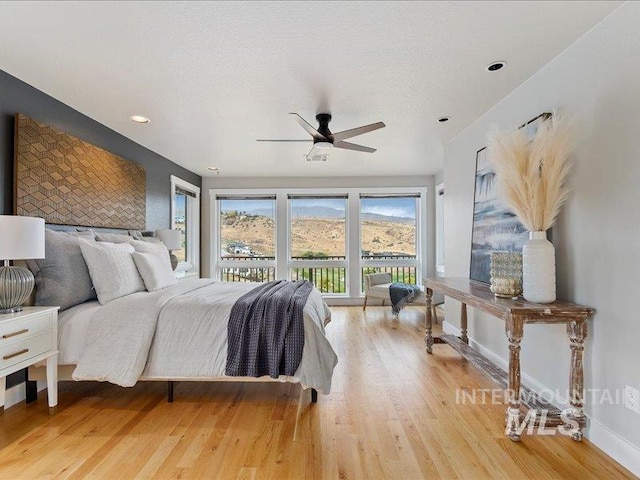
(539,269)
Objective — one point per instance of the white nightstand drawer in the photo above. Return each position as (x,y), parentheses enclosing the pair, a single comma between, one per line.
(20,329)
(20,351)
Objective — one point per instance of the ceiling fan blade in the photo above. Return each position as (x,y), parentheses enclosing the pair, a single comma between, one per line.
(337,137)
(353,146)
(273,140)
(310,130)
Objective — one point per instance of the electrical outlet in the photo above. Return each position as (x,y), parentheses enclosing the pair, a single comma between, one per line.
(632,398)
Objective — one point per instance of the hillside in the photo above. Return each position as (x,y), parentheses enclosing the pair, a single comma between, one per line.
(325,235)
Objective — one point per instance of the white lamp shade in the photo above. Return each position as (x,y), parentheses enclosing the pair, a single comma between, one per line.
(21,237)
(172,239)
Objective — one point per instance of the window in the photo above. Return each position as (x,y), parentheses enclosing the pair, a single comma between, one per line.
(331,237)
(247,237)
(318,241)
(389,235)
(185,217)
(440,228)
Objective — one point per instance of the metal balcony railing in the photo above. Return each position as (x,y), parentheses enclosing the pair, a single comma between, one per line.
(331,280)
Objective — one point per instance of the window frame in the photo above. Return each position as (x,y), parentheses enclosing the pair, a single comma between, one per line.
(218,263)
(191,266)
(353,261)
(419,259)
(320,263)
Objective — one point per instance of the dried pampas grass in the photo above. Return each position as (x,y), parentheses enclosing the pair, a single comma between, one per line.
(531,174)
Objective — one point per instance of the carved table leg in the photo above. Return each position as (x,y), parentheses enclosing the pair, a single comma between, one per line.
(428,339)
(514,330)
(463,324)
(574,416)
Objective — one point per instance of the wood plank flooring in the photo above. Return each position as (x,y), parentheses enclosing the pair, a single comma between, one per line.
(392,414)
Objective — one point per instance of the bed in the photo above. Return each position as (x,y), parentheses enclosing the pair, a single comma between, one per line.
(176,333)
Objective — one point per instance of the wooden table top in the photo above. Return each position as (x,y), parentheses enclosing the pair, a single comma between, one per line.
(478,295)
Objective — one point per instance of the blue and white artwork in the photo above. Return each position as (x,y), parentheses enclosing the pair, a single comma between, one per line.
(495,227)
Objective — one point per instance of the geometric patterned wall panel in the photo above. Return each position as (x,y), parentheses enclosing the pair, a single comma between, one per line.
(66,181)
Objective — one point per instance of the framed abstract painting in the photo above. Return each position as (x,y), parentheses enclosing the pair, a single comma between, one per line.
(495,227)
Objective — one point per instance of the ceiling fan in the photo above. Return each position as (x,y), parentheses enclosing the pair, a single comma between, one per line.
(324,140)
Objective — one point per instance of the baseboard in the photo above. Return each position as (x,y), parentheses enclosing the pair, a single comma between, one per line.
(18,393)
(343,301)
(621,450)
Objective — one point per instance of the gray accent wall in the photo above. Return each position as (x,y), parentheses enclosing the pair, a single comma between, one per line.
(18,97)
(596,239)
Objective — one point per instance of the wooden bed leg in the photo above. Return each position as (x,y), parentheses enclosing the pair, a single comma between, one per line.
(314,395)
(170,391)
(31,391)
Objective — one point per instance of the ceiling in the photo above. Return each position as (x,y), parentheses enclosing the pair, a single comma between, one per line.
(214,77)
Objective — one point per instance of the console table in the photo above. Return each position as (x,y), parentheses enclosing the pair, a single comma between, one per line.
(517,313)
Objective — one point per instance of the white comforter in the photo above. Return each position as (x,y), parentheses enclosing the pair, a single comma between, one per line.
(181,332)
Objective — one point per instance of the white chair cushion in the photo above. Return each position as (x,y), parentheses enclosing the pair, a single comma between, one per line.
(380,291)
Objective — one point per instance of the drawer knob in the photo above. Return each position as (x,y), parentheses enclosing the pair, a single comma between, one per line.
(7,357)
(19,332)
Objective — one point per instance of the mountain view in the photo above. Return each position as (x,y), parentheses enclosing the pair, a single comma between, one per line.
(317,230)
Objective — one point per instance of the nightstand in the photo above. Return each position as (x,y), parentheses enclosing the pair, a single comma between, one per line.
(26,338)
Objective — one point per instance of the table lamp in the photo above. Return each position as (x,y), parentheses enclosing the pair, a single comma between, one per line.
(172,239)
(21,238)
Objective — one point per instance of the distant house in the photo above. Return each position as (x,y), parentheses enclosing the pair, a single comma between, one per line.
(238,248)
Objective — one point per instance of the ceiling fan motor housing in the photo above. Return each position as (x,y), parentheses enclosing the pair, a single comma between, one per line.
(323,128)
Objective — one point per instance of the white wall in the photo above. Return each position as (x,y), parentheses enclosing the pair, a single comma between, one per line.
(310,182)
(596,238)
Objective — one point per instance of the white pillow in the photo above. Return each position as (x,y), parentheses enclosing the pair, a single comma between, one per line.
(157,248)
(112,269)
(155,270)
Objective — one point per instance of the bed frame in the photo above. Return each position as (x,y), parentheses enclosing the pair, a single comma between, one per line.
(65,372)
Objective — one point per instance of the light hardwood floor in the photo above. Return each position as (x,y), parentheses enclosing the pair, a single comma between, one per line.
(392,414)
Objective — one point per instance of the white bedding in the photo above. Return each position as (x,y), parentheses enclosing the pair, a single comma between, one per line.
(177,332)
(73,324)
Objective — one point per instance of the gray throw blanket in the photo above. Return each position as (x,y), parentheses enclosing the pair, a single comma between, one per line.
(401,294)
(266,330)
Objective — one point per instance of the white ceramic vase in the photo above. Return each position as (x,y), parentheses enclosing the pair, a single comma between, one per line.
(539,269)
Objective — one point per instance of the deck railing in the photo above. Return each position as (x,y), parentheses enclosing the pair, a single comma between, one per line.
(331,280)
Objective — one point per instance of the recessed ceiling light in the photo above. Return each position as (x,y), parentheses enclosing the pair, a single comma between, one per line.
(444,119)
(139,119)
(495,66)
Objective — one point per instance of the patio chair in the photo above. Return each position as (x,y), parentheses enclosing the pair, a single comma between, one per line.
(376,285)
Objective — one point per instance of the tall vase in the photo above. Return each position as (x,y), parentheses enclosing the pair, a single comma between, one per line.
(539,269)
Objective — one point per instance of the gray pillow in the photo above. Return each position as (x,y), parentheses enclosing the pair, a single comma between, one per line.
(144,236)
(113,237)
(62,277)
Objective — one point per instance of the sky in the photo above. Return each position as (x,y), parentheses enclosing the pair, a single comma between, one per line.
(179,205)
(394,207)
